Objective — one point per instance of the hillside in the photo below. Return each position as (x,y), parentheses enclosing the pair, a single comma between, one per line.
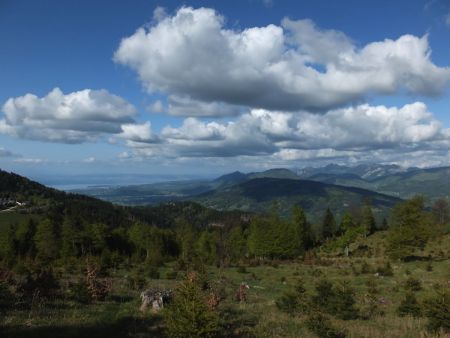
(259,194)
(432,182)
(254,192)
(39,201)
(155,193)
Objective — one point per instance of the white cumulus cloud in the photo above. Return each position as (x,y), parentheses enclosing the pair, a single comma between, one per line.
(353,131)
(291,66)
(69,118)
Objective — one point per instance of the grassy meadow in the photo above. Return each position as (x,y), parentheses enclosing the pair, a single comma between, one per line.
(119,316)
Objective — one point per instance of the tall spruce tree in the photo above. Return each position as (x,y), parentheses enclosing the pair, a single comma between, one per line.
(411,228)
(368,220)
(302,230)
(46,240)
(328,225)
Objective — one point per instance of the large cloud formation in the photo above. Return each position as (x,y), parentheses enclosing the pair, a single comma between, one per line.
(265,96)
(294,66)
(292,136)
(69,118)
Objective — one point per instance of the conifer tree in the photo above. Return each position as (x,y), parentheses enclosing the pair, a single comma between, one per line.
(410,230)
(7,243)
(303,233)
(328,225)
(69,239)
(24,238)
(368,221)
(188,316)
(46,240)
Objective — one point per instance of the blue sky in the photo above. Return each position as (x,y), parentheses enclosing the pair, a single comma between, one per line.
(300,80)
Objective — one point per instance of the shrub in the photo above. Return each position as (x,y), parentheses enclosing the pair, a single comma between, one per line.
(241,269)
(371,307)
(6,296)
(153,273)
(343,304)
(324,295)
(315,272)
(355,271)
(40,281)
(79,292)
(413,284)
(136,279)
(322,327)
(335,300)
(429,267)
(188,316)
(365,268)
(98,289)
(294,301)
(385,270)
(171,274)
(180,265)
(409,306)
(437,310)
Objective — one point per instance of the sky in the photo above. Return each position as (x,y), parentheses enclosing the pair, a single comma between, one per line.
(209,87)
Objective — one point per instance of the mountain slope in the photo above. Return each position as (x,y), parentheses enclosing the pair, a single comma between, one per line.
(432,183)
(363,171)
(176,190)
(259,194)
(41,201)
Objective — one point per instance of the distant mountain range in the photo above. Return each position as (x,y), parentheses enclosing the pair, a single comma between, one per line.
(257,191)
(362,171)
(391,180)
(338,187)
(259,194)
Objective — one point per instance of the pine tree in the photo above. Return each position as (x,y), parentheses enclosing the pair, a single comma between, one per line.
(328,225)
(46,241)
(186,235)
(410,230)
(69,239)
(261,237)
(205,247)
(368,221)
(24,238)
(294,301)
(384,224)
(409,306)
(188,316)
(235,244)
(98,234)
(437,310)
(303,232)
(7,243)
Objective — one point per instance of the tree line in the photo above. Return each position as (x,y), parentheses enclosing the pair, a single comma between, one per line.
(59,237)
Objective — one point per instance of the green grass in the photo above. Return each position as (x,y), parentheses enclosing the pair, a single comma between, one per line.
(119,315)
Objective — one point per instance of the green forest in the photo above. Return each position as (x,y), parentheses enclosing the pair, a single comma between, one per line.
(74,265)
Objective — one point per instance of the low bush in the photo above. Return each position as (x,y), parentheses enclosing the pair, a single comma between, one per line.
(294,301)
(336,300)
(385,270)
(437,310)
(413,284)
(322,327)
(409,306)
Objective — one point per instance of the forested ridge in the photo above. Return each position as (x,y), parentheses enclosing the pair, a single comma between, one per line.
(61,250)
